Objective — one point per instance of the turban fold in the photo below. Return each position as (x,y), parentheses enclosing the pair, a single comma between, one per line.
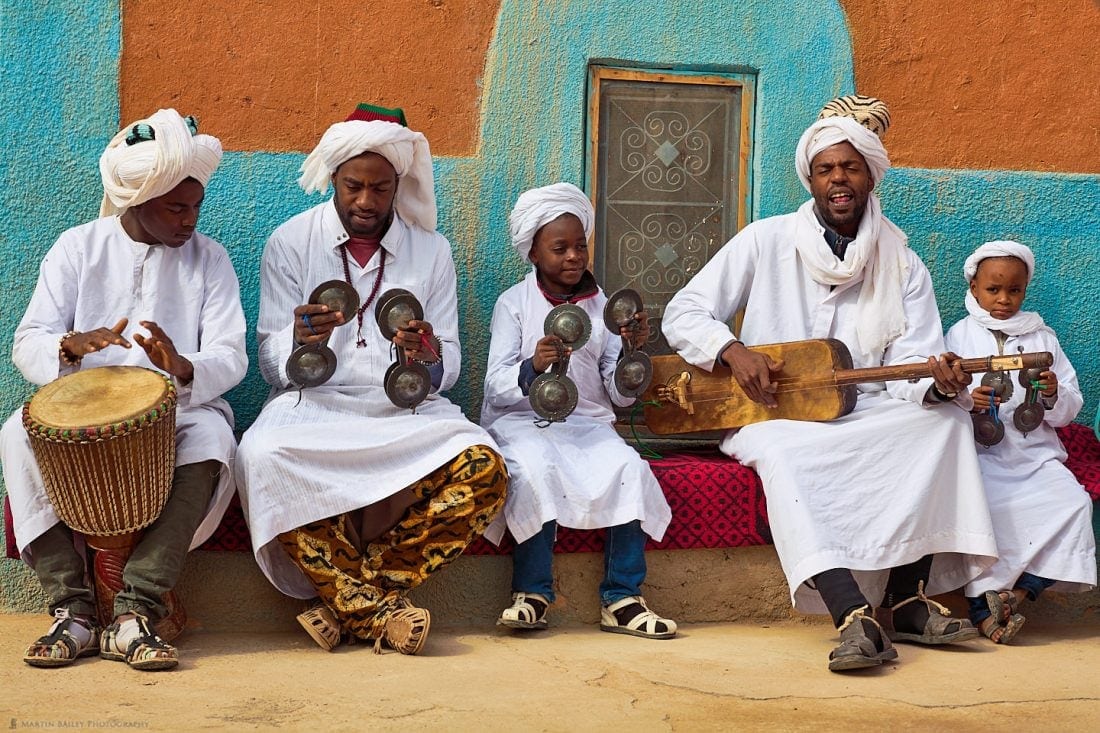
(832,130)
(538,207)
(406,150)
(153,156)
(1001,248)
(870,112)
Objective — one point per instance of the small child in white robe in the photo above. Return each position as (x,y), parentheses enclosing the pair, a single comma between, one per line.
(1041,515)
(578,473)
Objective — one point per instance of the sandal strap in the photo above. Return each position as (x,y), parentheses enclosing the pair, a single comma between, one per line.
(147,638)
(522,608)
(939,607)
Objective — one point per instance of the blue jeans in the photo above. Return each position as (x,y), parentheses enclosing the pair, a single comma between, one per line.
(623,563)
(1033,584)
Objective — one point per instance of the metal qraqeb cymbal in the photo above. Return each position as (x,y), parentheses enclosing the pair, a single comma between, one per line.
(553,397)
(569,323)
(1028,417)
(1001,384)
(338,296)
(396,307)
(621,308)
(633,374)
(407,384)
(311,365)
(987,429)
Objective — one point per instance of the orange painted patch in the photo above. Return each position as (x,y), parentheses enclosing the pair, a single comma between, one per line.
(273,75)
(1003,84)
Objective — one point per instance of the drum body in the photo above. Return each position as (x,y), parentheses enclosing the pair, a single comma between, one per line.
(105,442)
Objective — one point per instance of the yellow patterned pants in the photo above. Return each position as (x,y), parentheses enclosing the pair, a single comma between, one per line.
(453,506)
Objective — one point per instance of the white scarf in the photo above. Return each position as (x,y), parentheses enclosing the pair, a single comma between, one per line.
(406,150)
(1022,321)
(877,257)
(538,207)
(134,174)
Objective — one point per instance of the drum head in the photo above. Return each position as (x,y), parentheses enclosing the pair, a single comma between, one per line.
(553,397)
(621,308)
(633,374)
(311,365)
(987,430)
(97,397)
(569,323)
(338,296)
(407,384)
(396,307)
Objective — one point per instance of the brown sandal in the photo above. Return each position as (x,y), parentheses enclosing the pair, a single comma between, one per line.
(939,627)
(406,630)
(321,624)
(1003,617)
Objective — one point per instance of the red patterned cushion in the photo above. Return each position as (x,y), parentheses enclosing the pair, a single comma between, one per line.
(716,502)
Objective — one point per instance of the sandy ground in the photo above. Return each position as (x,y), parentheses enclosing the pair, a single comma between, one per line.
(712,677)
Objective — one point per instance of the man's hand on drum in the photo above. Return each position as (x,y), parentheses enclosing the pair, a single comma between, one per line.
(162,352)
(88,342)
(314,322)
(419,342)
(548,351)
(638,332)
(754,372)
(948,375)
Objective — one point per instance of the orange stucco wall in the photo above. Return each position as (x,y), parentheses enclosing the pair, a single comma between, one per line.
(1002,84)
(1006,84)
(273,75)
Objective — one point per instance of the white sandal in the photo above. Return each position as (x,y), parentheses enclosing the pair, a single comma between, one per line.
(321,624)
(528,611)
(632,616)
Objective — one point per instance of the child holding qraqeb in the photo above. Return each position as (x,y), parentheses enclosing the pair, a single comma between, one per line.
(1041,516)
(578,473)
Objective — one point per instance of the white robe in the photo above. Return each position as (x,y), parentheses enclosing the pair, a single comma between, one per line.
(344,445)
(579,472)
(881,487)
(1042,516)
(96,274)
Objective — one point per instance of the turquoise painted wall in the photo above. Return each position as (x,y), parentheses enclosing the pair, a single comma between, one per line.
(60,106)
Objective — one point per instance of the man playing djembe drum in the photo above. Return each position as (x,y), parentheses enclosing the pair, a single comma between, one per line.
(349,497)
(141,265)
(887,502)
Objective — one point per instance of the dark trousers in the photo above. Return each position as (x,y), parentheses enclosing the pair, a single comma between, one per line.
(841,593)
(154,566)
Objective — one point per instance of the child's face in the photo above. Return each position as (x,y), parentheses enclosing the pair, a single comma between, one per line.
(1000,285)
(560,252)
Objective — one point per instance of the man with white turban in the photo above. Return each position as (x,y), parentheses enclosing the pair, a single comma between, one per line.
(142,263)
(350,499)
(1041,514)
(578,473)
(886,503)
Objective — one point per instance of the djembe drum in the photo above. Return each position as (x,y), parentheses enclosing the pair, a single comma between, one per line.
(105,443)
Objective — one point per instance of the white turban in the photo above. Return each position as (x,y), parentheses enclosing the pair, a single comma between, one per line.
(832,130)
(1022,321)
(406,150)
(136,172)
(538,207)
(1001,248)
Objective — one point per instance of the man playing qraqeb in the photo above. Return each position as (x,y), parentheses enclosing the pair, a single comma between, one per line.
(349,498)
(886,502)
